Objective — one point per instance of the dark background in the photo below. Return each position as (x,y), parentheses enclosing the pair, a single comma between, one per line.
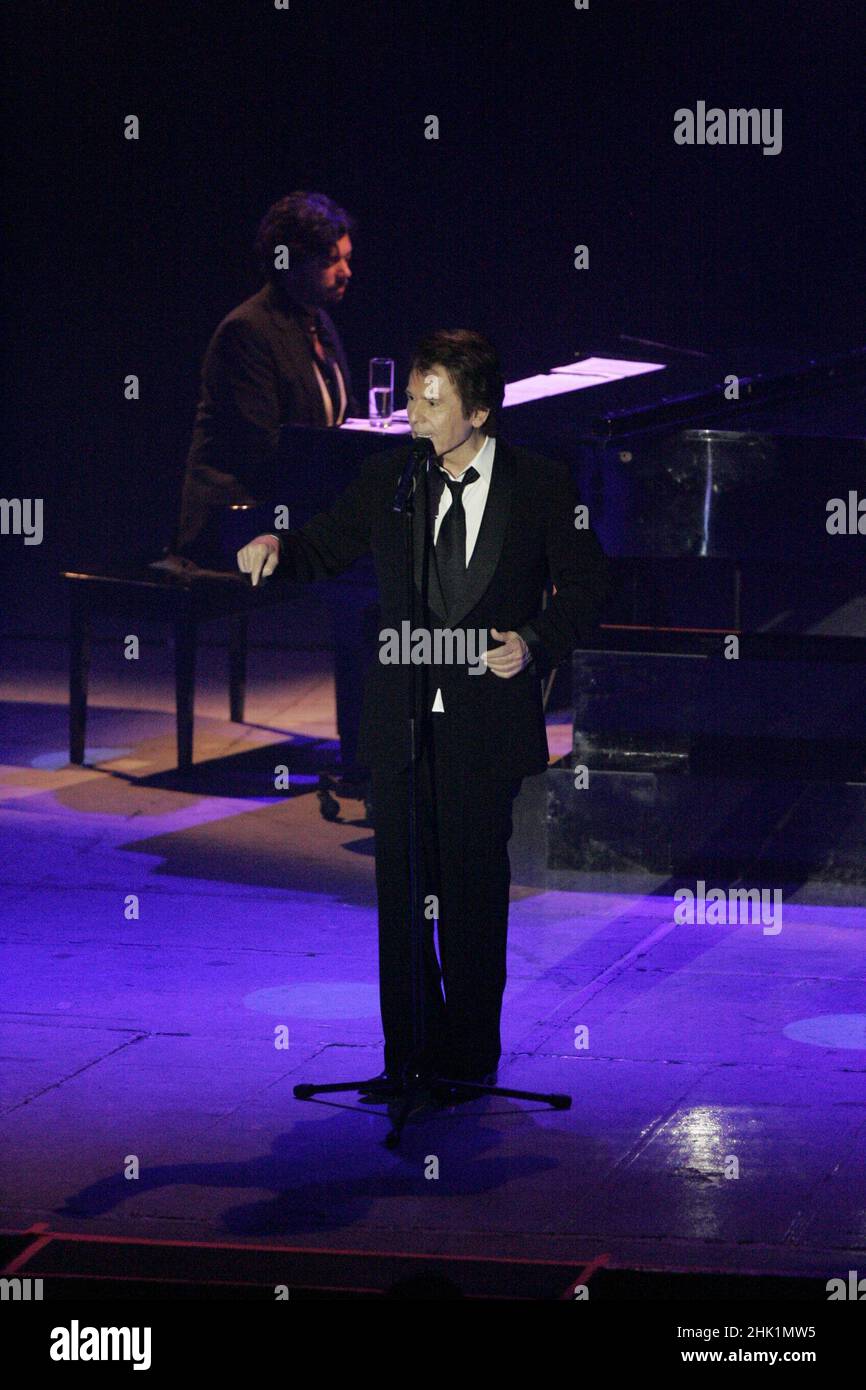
(556,128)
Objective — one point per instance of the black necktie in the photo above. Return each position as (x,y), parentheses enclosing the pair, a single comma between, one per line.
(322,353)
(451,541)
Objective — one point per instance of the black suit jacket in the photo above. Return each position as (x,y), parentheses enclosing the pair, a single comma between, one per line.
(527,537)
(257,375)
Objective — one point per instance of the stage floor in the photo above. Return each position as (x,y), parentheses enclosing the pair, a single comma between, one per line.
(719,1107)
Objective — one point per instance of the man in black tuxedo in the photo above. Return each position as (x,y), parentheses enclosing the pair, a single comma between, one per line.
(494,523)
(276,359)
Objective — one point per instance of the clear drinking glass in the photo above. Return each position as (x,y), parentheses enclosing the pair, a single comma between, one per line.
(381,396)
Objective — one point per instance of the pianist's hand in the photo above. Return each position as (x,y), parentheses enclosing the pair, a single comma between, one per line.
(259,558)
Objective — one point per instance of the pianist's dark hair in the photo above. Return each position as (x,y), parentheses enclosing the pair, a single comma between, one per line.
(473,366)
(307,223)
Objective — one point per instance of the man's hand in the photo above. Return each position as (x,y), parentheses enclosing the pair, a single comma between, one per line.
(259,558)
(508,660)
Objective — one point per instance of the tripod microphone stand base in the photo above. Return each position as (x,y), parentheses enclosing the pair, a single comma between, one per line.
(420,1084)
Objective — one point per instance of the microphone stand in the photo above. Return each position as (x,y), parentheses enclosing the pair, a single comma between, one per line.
(417,1078)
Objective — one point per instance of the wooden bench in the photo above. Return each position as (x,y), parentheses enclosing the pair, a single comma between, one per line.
(184,599)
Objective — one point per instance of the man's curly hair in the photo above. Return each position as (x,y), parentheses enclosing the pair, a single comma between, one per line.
(307,223)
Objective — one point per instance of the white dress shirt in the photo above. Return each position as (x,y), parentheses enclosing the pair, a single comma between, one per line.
(474,503)
(326,395)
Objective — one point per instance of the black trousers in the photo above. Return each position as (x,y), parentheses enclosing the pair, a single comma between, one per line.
(465,813)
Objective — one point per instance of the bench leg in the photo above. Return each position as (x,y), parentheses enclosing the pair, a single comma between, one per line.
(238,627)
(79,670)
(184,687)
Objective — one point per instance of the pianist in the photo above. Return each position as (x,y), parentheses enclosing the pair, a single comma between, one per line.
(276,359)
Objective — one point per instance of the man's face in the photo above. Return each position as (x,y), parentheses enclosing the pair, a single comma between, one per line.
(322,279)
(436,412)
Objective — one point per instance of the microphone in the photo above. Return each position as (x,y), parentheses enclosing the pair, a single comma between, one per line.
(420,455)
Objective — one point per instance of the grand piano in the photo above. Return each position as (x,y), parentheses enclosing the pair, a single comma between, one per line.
(721,715)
